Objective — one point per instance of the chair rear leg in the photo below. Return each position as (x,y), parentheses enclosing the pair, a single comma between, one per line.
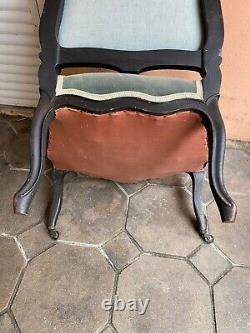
(198,179)
(56,205)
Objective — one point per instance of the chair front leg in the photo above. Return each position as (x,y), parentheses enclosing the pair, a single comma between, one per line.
(56,205)
(198,179)
(38,146)
(225,203)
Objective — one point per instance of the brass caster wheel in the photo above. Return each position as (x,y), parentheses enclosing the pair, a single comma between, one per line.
(54,234)
(208,239)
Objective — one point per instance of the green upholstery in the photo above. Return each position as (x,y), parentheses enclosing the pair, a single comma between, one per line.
(132,25)
(104,86)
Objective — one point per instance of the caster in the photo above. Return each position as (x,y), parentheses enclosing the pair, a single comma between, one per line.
(54,234)
(208,239)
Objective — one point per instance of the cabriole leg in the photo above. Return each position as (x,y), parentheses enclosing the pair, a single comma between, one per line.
(198,179)
(38,147)
(56,205)
(225,203)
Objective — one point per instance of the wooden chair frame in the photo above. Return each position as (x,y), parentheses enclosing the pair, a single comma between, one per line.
(206,61)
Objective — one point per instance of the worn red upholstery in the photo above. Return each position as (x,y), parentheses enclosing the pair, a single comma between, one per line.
(127,146)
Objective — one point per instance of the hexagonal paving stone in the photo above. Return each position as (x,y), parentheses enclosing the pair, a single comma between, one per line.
(232,302)
(132,188)
(121,250)
(93,211)
(179,298)
(6,325)
(237,171)
(11,263)
(210,262)
(179,180)
(35,240)
(162,220)
(13,224)
(233,239)
(62,291)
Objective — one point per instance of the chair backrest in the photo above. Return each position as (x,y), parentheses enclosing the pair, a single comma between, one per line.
(132,25)
(132,36)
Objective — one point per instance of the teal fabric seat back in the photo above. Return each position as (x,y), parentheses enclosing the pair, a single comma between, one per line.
(132,25)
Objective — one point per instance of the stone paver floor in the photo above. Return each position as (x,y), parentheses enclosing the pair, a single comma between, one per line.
(121,242)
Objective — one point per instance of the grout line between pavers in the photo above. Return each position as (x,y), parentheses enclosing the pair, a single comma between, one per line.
(222,275)
(19,245)
(240,194)
(198,272)
(103,329)
(196,250)
(11,126)
(121,189)
(169,186)
(17,169)
(102,251)
(222,253)
(4,235)
(22,118)
(16,287)
(72,243)
(126,216)
(113,328)
(241,266)
(134,241)
(208,203)
(42,252)
(131,262)
(190,193)
(134,193)
(14,321)
(118,233)
(3,312)
(31,226)
(138,191)
(126,213)
(211,291)
(164,255)
(114,293)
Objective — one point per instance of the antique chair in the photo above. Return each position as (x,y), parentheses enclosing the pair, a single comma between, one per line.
(120,125)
